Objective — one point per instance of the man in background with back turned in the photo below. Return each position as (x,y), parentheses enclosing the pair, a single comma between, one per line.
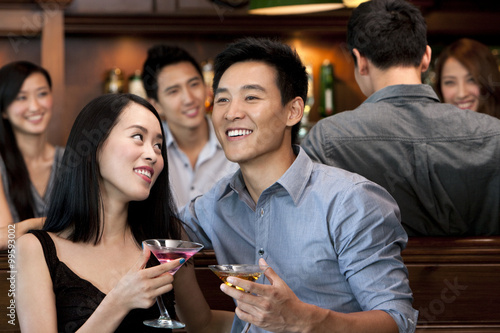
(440,163)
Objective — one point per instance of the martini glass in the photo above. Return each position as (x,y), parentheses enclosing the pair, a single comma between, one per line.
(167,250)
(245,272)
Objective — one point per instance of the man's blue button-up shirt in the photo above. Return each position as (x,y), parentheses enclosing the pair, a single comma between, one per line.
(334,237)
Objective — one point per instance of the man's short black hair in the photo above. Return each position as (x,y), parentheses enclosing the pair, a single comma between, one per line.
(388,32)
(160,56)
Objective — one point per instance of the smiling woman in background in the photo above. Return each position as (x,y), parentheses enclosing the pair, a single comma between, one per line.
(468,77)
(28,162)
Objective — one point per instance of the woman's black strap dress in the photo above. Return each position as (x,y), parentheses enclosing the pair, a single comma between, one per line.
(77,299)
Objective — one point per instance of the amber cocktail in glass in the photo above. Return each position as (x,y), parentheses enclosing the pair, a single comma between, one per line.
(245,271)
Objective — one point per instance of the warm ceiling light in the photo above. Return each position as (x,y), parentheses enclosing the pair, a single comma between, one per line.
(288,7)
(353,3)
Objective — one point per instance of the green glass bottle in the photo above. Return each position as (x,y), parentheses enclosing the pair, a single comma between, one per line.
(135,85)
(327,92)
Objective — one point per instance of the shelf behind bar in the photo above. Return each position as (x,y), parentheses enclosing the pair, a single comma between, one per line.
(205,25)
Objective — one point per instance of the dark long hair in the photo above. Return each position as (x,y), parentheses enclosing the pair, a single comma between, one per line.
(76,204)
(483,67)
(12,77)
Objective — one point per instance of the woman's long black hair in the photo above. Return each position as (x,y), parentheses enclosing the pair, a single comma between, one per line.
(12,77)
(76,203)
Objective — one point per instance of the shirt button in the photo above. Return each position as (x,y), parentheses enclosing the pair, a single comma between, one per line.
(262,212)
(261,252)
(192,188)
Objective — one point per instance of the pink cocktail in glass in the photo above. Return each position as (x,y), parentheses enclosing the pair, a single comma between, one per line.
(167,250)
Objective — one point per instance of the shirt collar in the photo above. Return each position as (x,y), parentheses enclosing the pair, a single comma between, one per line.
(212,138)
(401,91)
(169,138)
(294,180)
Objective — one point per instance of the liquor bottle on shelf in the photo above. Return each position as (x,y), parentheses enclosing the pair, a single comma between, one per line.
(135,85)
(310,94)
(304,123)
(114,82)
(207,67)
(327,92)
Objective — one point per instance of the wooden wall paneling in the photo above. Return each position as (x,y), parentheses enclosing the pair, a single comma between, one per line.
(19,22)
(18,39)
(454,282)
(209,24)
(195,4)
(111,6)
(464,23)
(52,59)
(165,6)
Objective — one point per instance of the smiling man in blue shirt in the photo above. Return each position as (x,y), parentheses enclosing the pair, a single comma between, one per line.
(332,238)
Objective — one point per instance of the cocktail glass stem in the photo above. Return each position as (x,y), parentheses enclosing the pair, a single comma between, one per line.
(164,321)
(163,311)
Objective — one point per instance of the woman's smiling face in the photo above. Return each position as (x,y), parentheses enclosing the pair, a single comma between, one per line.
(31,110)
(458,86)
(130,159)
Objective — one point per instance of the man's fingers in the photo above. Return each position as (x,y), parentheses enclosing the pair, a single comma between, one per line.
(269,272)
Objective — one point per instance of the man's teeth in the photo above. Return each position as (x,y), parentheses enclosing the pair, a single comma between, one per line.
(238,132)
(144,172)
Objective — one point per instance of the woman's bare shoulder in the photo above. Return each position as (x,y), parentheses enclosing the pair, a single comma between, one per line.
(28,243)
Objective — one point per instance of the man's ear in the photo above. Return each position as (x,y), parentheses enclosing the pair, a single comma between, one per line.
(361,62)
(295,111)
(426,59)
(157,106)
(153,102)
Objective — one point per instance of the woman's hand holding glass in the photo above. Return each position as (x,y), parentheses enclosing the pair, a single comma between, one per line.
(140,286)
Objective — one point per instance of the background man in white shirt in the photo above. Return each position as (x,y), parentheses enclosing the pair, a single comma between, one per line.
(174,85)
